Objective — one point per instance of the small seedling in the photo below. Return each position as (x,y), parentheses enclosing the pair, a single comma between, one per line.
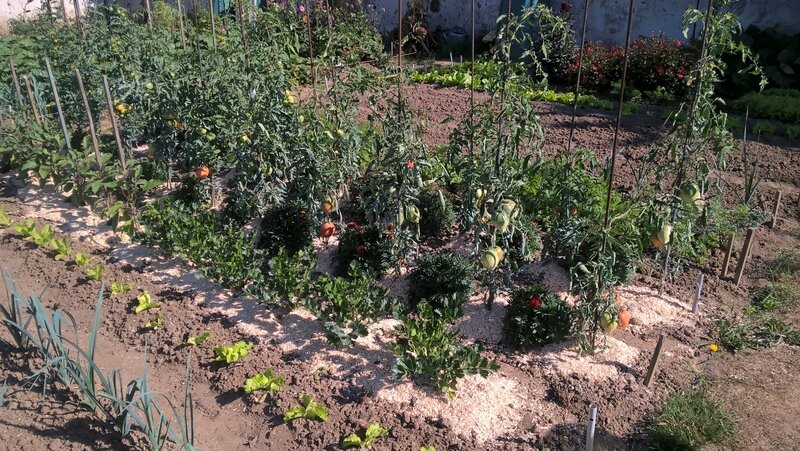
(373,432)
(25,229)
(118,288)
(81,259)
(145,303)
(263,382)
(198,340)
(156,323)
(308,409)
(5,220)
(44,236)
(95,273)
(61,246)
(427,448)
(233,353)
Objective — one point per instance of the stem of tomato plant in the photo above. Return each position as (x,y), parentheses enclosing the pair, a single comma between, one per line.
(688,136)
(578,80)
(57,99)
(614,143)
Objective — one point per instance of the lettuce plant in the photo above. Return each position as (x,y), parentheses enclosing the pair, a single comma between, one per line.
(308,409)
(233,353)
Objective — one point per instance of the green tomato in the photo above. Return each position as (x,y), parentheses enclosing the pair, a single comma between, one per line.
(211,137)
(608,323)
(301,119)
(149,86)
(203,131)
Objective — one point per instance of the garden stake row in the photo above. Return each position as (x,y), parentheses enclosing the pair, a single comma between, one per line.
(617,126)
(578,81)
(31,99)
(57,98)
(89,118)
(114,125)
(689,129)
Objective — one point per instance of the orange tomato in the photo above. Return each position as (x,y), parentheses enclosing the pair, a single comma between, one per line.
(624,318)
(326,229)
(203,172)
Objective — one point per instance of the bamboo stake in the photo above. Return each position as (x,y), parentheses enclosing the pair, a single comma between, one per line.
(57,98)
(213,24)
(726,263)
(775,210)
(32,101)
(89,118)
(578,80)
(651,370)
(615,142)
(744,256)
(15,79)
(180,24)
(114,125)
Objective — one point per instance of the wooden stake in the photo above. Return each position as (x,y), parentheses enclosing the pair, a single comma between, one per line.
(77,6)
(114,126)
(726,263)
(61,120)
(35,109)
(180,24)
(17,88)
(775,211)
(213,24)
(63,9)
(700,281)
(149,18)
(651,371)
(744,256)
(89,118)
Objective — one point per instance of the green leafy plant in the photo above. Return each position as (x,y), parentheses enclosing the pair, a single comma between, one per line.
(437,216)
(232,353)
(266,381)
(118,288)
(156,323)
(438,275)
(308,409)
(26,229)
(290,225)
(5,220)
(373,432)
(347,305)
(427,347)
(81,259)
(145,302)
(289,277)
(199,339)
(62,248)
(369,246)
(95,273)
(690,421)
(536,317)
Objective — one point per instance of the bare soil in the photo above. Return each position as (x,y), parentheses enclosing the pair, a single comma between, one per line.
(538,400)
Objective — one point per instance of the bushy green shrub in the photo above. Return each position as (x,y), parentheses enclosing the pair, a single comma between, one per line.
(689,421)
(436,211)
(439,275)
(369,246)
(536,317)
(289,225)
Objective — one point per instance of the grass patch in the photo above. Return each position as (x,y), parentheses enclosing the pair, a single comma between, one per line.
(774,296)
(689,421)
(762,333)
(785,265)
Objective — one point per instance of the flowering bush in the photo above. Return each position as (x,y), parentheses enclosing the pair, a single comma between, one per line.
(655,62)
(536,317)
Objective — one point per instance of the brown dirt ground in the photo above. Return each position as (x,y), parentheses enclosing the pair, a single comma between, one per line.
(760,388)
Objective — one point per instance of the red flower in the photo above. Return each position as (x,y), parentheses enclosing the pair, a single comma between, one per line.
(390,227)
(681,73)
(390,235)
(352,225)
(360,249)
(536,302)
(302,213)
(410,164)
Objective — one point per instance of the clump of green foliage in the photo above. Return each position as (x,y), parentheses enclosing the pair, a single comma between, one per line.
(373,432)
(437,216)
(266,381)
(536,317)
(438,275)
(308,409)
(290,225)
(232,353)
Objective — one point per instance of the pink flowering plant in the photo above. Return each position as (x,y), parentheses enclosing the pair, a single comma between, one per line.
(536,317)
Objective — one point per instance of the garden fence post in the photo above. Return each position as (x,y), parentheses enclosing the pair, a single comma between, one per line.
(57,99)
(114,125)
(31,99)
(590,427)
(180,24)
(700,281)
(89,118)
(727,261)
(744,255)
(651,370)
(775,210)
